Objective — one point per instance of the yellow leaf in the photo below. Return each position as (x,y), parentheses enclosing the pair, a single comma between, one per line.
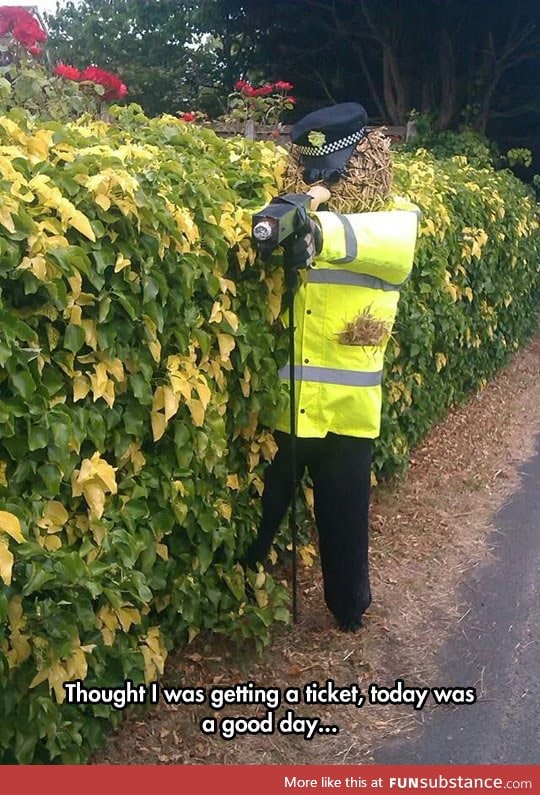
(6,220)
(38,145)
(232,319)
(101,386)
(440,361)
(52,543)
(162,551)
(76,665)
(245,387)
(451,288)
(254,459)
(10,524)
(181,385)
(104,471)
(159,424)
(197,412)
(103,201)
(115,368)
(57,676)
(37,265)
(268,446)
(81,387)
(128,616)
(233,482)
(226,345)
(226,285)
(54,517)
(155,349)
(106,617)
(154,654)
(307,554)
(95,477)
(108,636)
(90,333)
(6,562)
(121,263)
(15,614)
(158,399)
(95,499)
(171,402)
(204,393)
(309,498)
(225,510)
(81,223)
(216,314)
(476,249)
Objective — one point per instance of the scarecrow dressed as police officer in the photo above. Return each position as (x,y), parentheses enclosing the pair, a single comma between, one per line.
(351,269)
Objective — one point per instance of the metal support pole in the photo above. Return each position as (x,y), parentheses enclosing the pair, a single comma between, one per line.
(291,277)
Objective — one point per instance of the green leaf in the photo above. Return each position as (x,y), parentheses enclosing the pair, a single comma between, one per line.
(74,337)
(38,437)
(204,554)
(52,477)
(37,579)
(24,384)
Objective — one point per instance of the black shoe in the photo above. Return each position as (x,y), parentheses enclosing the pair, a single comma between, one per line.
(350,624)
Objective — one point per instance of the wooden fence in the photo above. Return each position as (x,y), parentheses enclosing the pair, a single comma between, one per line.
(281,133)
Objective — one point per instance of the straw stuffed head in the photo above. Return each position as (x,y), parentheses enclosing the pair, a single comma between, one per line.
(333,147)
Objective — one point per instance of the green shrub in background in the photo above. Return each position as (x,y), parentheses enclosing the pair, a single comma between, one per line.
(138,378)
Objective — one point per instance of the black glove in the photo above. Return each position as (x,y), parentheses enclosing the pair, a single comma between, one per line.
(301,250)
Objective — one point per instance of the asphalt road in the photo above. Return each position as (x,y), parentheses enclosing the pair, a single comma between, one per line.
(496,648)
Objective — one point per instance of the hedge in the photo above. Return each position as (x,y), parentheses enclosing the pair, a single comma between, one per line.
(138,383)
(473,297)
(138,375)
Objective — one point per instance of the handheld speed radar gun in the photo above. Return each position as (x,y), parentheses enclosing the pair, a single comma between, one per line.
(284,218)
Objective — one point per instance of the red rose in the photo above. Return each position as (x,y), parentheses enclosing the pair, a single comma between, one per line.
(263,91)
(36,51)
(240,85)
(292,100)
(9,16)
(115,89)
(282,86)
(249,91)
(94,74)
(188,117)
(67,71)
(27,29)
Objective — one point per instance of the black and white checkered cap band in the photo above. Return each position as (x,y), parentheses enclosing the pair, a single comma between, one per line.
(335,146)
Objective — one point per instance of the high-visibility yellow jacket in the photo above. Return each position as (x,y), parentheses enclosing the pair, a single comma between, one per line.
(366,258)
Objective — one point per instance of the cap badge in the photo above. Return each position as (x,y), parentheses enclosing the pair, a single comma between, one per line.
(316,138)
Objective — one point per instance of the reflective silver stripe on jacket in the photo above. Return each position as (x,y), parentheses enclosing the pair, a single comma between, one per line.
(329,276)
(351,245)
(332,375)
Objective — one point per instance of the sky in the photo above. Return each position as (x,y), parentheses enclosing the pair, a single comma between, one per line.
(45,6)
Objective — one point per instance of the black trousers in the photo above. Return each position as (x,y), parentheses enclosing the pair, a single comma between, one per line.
(340,467)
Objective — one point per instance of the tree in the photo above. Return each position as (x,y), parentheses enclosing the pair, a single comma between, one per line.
(454,59)
(157,46)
